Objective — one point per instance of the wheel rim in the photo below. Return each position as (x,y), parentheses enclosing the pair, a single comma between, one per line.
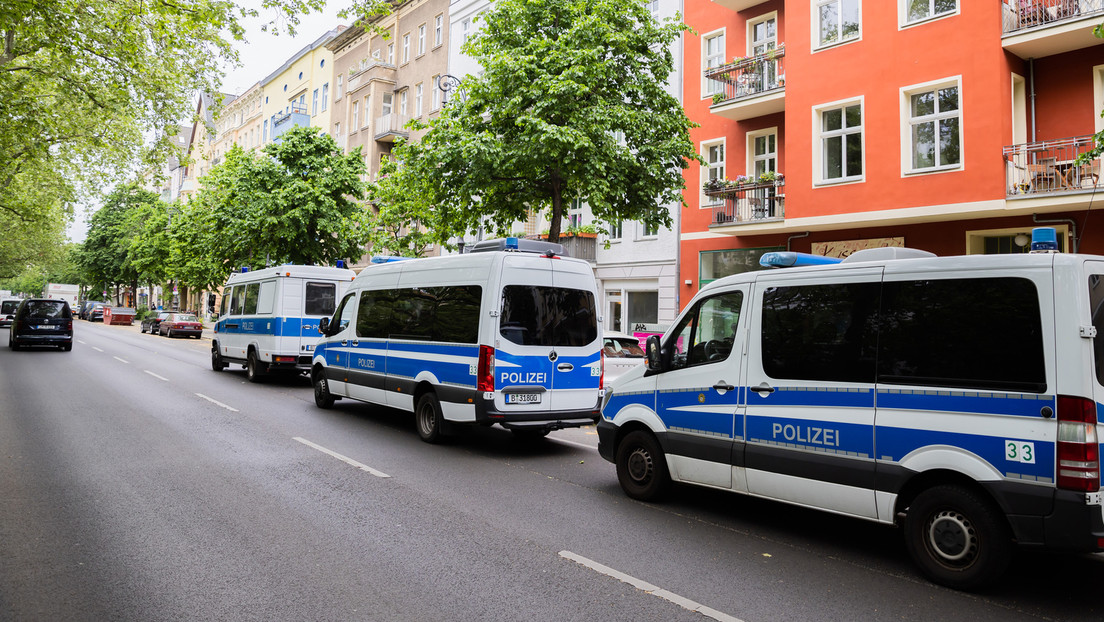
(321,390)
(952,538)
(426,417)
(640,465)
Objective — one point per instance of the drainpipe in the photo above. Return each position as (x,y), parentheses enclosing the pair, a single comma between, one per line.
(1031,83)
(1061,221)
(794,237)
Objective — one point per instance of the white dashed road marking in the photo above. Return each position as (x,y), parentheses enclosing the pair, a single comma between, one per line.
(344,459)
(96,349)
(218,403)
(644,586)
(155,375)
(121,360)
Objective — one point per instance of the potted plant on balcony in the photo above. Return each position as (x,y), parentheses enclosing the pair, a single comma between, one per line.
(718,98)
(713,185)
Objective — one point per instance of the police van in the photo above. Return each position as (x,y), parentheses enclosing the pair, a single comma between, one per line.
(506,334)
(955,397)
(268,321)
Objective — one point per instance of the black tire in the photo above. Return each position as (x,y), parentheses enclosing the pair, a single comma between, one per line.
(170,334)
(67,347)
(641,466)
(322,396)
(217,363)
(255,370)
(959,538)
(142,328)
(427,418)
(12,344)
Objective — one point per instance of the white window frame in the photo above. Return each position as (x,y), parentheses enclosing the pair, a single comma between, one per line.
(436,92)
(708,202)
(418,90)
(421,39)
(907,123)
(325,96)
(752,158)
(367,111)
(314,103)
(819,177)
(403,98)
(391,53)
(903,12)
(815,29)
(388,104)
(406,48)
(338,87)
(356,117)
(438,30)
(708,61)
(752,23)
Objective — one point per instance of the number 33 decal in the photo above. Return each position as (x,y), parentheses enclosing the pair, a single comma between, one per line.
(1019,451)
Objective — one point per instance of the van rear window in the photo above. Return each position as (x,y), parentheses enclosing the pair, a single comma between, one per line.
(321,299)
(1096,306)
(548,316)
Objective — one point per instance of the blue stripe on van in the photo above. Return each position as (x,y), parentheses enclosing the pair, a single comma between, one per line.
(847,439)
(896,443)
(276,326)
(815,396)
(952,400)
(427,357)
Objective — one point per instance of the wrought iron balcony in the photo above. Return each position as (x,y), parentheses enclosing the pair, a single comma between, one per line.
(1038,28)
(750,87)
(1050,166)
(747,203)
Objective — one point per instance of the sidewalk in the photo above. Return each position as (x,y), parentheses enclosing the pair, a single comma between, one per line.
(208,328)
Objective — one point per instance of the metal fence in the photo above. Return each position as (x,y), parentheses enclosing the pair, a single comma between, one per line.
(750,76)
(1021,14)
(1050,166)
(749,203)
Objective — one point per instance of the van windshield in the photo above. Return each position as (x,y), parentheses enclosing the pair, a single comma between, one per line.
(548,316)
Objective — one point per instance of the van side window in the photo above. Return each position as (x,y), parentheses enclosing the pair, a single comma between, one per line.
(1096,306)
(343,315)
(251,292)
(706,334)
(821,332)
(981,333)
(237,299)
(374,314)
(448,314)
(225,307)
(321,298)
(266,299)
(548,316)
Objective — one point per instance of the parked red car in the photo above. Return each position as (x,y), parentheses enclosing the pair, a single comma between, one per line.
(186,324)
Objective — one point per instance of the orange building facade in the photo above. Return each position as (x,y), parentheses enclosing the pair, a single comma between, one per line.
(833,125)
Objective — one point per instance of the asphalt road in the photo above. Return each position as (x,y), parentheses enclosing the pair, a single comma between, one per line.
(137,484)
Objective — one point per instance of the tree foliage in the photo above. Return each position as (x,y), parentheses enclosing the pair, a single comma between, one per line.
(403,207)
(571,104)
(106,256)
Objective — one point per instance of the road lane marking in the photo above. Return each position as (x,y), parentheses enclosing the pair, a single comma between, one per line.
(121,360)
(96,349)
(81,341)
(644,586)
(155,375)
(575,443)
(218,403)
(346,460)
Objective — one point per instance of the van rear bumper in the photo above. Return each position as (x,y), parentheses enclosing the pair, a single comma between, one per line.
(485,412)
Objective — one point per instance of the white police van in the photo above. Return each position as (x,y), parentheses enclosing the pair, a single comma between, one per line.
(268,320)
(956,397)
(505,334)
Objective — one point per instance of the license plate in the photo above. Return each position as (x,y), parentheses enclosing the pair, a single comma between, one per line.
(523,398)
(43,327)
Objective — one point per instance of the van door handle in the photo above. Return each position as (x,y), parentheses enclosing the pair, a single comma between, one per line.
(763,388)
(356,342)
(565,367)
(344,342)
(723,386)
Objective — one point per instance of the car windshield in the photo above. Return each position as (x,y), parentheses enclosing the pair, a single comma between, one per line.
(617,347)
(186,318)
(8,306)
(47,309)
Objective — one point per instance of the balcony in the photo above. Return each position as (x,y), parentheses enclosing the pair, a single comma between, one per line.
(391,126)
(295,117)
(1038,28)
(751,87)
(371,69)
(747,203)
(738,5)
(1049,168)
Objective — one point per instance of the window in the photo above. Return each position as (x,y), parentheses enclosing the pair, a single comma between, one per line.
(714,155)
(764,36)
(449,314)
(264,133)
(436,92)
(841,143)
(652,6)
(406,48)
(438,30)
(714,265)
(320,299)
(648,231)
(934,127)
(356,117)
(343,315)
(251,293)
(390,53)
(706,333)
(713,55)
(548,316)
(764,153)
(418,99)
(421,39)
(367,109)
(837,21)
(920,10)
(266,299)
(337,89)
(643,308)
(465,26)
(314,103)
(616,230)
(388,99)
(402,102)
(325,95)
(236,300)
(337,130)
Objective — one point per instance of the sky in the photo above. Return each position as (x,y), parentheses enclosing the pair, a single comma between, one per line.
(261,54)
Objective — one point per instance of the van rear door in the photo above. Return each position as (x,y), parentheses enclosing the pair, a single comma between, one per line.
(577,370)
(524,353)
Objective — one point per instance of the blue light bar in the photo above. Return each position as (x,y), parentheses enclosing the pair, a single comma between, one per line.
(1044,240)
(511,244)
(244,269)
(790,259)
(340,263)
(388,259)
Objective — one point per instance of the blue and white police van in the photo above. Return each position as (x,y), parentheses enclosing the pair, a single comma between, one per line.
(507,334)
(955,397)
(268,320)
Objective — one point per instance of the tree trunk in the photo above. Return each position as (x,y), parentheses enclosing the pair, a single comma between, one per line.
(557,211)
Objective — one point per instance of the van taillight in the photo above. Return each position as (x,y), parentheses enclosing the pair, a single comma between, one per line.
(1078,448)
(484,381)
(602,374)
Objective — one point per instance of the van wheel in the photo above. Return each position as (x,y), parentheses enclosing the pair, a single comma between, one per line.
(217,363)
(958,538)
(322,396)
(254,369)
(641,467)
(428,418)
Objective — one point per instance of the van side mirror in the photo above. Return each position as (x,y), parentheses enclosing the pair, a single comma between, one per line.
(654,353)
(323,324)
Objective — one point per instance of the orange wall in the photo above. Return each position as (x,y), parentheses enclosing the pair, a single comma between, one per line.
(1064,105)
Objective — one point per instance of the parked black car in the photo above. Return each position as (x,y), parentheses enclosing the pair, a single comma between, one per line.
(152,323)
(42,322)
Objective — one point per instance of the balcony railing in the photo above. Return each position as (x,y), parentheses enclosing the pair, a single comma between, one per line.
(1050,166)
(1022,14)
(749,77)
(748,203)
(391,126)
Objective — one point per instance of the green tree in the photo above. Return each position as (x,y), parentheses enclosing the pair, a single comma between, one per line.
(402,207)
(105,256)
(570,104)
